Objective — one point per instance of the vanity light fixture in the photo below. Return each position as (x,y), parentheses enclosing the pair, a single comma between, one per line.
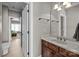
(68,5)
(64,4)
(59,9)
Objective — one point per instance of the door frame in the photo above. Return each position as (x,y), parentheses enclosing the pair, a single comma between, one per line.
(27,31)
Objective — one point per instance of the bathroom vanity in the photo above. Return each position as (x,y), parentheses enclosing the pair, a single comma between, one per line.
(54,48)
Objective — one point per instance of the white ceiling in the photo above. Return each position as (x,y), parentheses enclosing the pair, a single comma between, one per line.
(16,6)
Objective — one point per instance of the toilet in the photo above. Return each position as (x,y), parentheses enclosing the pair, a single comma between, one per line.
(5,48)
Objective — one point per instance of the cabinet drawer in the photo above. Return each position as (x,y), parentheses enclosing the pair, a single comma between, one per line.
(63,52)
(53,47)
(44,49)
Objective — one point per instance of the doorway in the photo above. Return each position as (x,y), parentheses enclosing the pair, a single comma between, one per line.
(15,49)
(18,29)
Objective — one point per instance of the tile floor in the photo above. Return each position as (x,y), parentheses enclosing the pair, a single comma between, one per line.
(15,49)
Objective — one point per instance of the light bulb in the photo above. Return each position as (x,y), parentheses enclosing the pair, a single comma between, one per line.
(59,8)
(68,5)
(65,2)
(56,6)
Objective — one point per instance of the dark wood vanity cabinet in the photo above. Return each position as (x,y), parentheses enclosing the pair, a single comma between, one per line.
(51,50)
(46,52)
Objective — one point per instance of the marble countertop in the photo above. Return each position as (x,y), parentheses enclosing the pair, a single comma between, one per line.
(69,45)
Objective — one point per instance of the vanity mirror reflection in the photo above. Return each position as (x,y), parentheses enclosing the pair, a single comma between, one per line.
(67,17)
(64,25)
(58,29)
(72,20)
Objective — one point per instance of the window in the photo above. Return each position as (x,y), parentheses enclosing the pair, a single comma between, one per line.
(16,27)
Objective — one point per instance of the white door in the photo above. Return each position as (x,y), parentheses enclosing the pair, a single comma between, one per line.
(25,29)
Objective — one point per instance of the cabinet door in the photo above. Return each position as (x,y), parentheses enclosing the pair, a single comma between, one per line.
(53,47)
(44,51)
(63,52)
(50,53)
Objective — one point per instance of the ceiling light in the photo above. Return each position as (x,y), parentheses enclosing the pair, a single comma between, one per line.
(59,8)
(56,6)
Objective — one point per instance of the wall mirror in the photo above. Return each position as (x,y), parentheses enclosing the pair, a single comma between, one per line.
(72,20)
